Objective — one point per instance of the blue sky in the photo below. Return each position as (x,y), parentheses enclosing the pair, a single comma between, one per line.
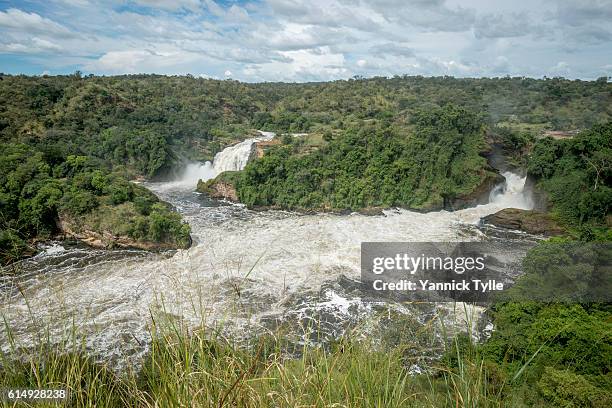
(290,40)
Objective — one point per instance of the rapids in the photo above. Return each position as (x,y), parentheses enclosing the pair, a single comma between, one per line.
(246,271)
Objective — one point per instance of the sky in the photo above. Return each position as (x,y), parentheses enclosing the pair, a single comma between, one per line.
(310,40)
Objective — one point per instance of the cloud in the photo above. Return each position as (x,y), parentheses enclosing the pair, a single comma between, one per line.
(504,25)
(584,22)
(579,12)
(170,4)
(31,46)
(561,68)
(16,20)
(394,49)
(433,15)
(328,13)
(311,40)
(140,61)
(309,65)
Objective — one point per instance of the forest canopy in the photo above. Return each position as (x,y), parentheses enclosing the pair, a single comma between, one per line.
(70,144)
(376,165)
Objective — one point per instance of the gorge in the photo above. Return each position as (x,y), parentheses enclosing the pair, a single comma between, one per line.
(247,272)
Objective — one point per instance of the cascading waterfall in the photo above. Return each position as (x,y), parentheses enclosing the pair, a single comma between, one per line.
(233,158)
(293,263)
(511,193)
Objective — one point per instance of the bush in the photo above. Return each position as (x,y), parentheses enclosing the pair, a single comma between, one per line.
(577,174)
(566,389)
(166,226)
(78,202)
(120,192)
(12,247)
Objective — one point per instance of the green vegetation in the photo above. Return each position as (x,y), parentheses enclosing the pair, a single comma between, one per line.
(205,371)
(373,142)
(70,143)
(425,167)
(577,175)
(42,193)
(146,124)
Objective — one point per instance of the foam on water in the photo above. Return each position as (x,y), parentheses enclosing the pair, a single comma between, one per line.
(233,158)
(243,266)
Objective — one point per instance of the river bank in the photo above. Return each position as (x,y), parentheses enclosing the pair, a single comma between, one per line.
(250,271)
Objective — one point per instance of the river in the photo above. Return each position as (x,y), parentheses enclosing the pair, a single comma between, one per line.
(247,272)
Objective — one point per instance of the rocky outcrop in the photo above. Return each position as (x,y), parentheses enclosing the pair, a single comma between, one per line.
(219,188)
(259,148)
(69,229)
(480,195)
(529,221)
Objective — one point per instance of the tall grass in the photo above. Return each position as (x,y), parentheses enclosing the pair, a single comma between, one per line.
(203,369)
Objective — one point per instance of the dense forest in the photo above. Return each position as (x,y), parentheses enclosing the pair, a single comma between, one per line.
(576,174)
(40,191)
(376,166)
(146,124)
(70,143)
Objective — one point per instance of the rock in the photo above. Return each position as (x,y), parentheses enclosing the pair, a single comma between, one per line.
(538,195)
(529,221)
(480,195)
(259,148)
(105,239)
(371,211)
(218,189)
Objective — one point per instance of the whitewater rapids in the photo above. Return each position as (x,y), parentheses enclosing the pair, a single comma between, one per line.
(244,267)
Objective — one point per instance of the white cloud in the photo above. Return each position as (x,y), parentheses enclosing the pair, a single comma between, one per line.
(31,23)
(33,45)
(227,73)
(170,4)
(392,49)
(316,39)
(143,61)
(505,25)
(562,68)
(308,65)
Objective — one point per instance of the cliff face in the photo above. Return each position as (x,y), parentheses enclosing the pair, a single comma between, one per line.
(539,196)
(480,195)
(220,188)
(529,221)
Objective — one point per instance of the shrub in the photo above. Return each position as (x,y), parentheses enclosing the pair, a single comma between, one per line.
(120,192)
(78,202)
(566,389)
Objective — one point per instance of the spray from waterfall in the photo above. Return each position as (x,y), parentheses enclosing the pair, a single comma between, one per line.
(232,158)
(511,194)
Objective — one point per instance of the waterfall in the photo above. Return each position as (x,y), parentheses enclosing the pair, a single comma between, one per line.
(232,158)
(235,157)
(511,193)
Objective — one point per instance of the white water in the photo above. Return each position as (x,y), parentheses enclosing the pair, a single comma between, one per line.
(233,158)
(511,194)
(244,267)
